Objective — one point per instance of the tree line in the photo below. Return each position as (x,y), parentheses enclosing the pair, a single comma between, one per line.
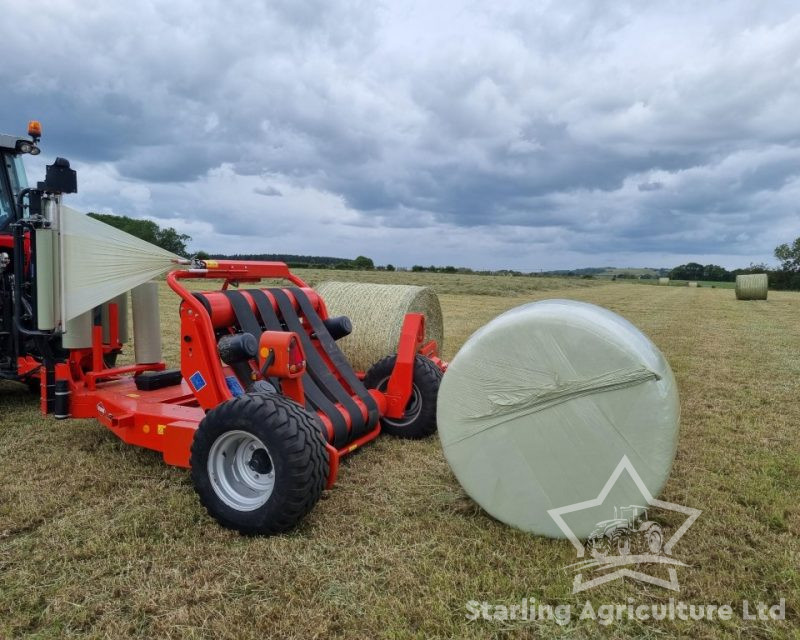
(785,276)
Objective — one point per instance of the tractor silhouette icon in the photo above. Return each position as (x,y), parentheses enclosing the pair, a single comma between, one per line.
(629,530)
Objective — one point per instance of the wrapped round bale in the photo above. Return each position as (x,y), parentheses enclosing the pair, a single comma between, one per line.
(377,312)
(663,281)
(752,286)
(692,284)
(540,407)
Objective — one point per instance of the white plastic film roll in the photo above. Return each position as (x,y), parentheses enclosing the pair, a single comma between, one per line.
(48,306)
(146,323)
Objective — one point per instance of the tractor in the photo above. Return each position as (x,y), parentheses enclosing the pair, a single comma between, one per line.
(264,404)
(629,525)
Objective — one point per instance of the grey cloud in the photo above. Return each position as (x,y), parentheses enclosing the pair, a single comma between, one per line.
(603,126)
(268,191)
(650,186)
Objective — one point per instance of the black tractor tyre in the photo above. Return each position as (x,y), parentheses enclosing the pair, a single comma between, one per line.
(419,420)
(259,463)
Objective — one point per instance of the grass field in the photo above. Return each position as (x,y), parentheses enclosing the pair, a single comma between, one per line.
(103,540)
(683,283)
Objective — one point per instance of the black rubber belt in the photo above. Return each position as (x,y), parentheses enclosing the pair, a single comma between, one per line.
(204,301)
(337,357)
(244,314)
(268,315)
(318,369)
(235,295)
(315,399)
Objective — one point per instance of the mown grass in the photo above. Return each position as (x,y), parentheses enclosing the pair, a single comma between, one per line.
(713,284)
(99,539)
(444,283)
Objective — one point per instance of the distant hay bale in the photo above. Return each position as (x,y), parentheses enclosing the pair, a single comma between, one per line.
(663,281)
(377,312)
(692,284)
(752,286)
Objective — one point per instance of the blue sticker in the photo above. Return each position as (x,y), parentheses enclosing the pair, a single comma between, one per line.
(197,380)
(234,386)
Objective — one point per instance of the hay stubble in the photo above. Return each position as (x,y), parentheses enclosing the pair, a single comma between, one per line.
(101,539)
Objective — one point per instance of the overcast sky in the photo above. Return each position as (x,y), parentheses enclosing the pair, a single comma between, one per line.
(524,134)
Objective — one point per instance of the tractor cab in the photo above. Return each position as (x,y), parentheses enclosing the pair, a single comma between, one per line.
(26,346)
(12,171)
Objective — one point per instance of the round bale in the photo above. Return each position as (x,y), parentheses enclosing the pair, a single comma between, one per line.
(663,281)
(692,284)
(752,286)
(377,312)
(545,405)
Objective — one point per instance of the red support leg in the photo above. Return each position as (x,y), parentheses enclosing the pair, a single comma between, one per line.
(398,391)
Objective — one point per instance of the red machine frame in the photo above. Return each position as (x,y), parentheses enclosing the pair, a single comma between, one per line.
(166,419)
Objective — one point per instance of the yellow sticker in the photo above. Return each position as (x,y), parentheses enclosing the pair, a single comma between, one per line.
(212,264)
(161,429)
(133,395)
(146,428)
(353,448)
(264,352)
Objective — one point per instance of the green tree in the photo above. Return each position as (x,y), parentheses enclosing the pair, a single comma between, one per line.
(390,267)
(363,263)
(716,273)
(689,271)
(789,255)
(171,240)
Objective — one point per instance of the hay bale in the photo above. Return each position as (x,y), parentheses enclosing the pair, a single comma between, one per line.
(752,286)
(663,281)
(539,406)
(377,312)
(692,284)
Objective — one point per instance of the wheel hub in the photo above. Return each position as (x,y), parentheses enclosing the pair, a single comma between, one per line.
(413,406)
(241,470)
(260,462)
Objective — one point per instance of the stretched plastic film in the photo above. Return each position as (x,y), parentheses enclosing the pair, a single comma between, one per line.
(100,262)
(539,407)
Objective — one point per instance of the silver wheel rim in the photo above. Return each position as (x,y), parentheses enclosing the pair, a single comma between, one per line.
(241,470)
(413,407)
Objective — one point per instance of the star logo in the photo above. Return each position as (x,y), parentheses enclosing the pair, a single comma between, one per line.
(628,530)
